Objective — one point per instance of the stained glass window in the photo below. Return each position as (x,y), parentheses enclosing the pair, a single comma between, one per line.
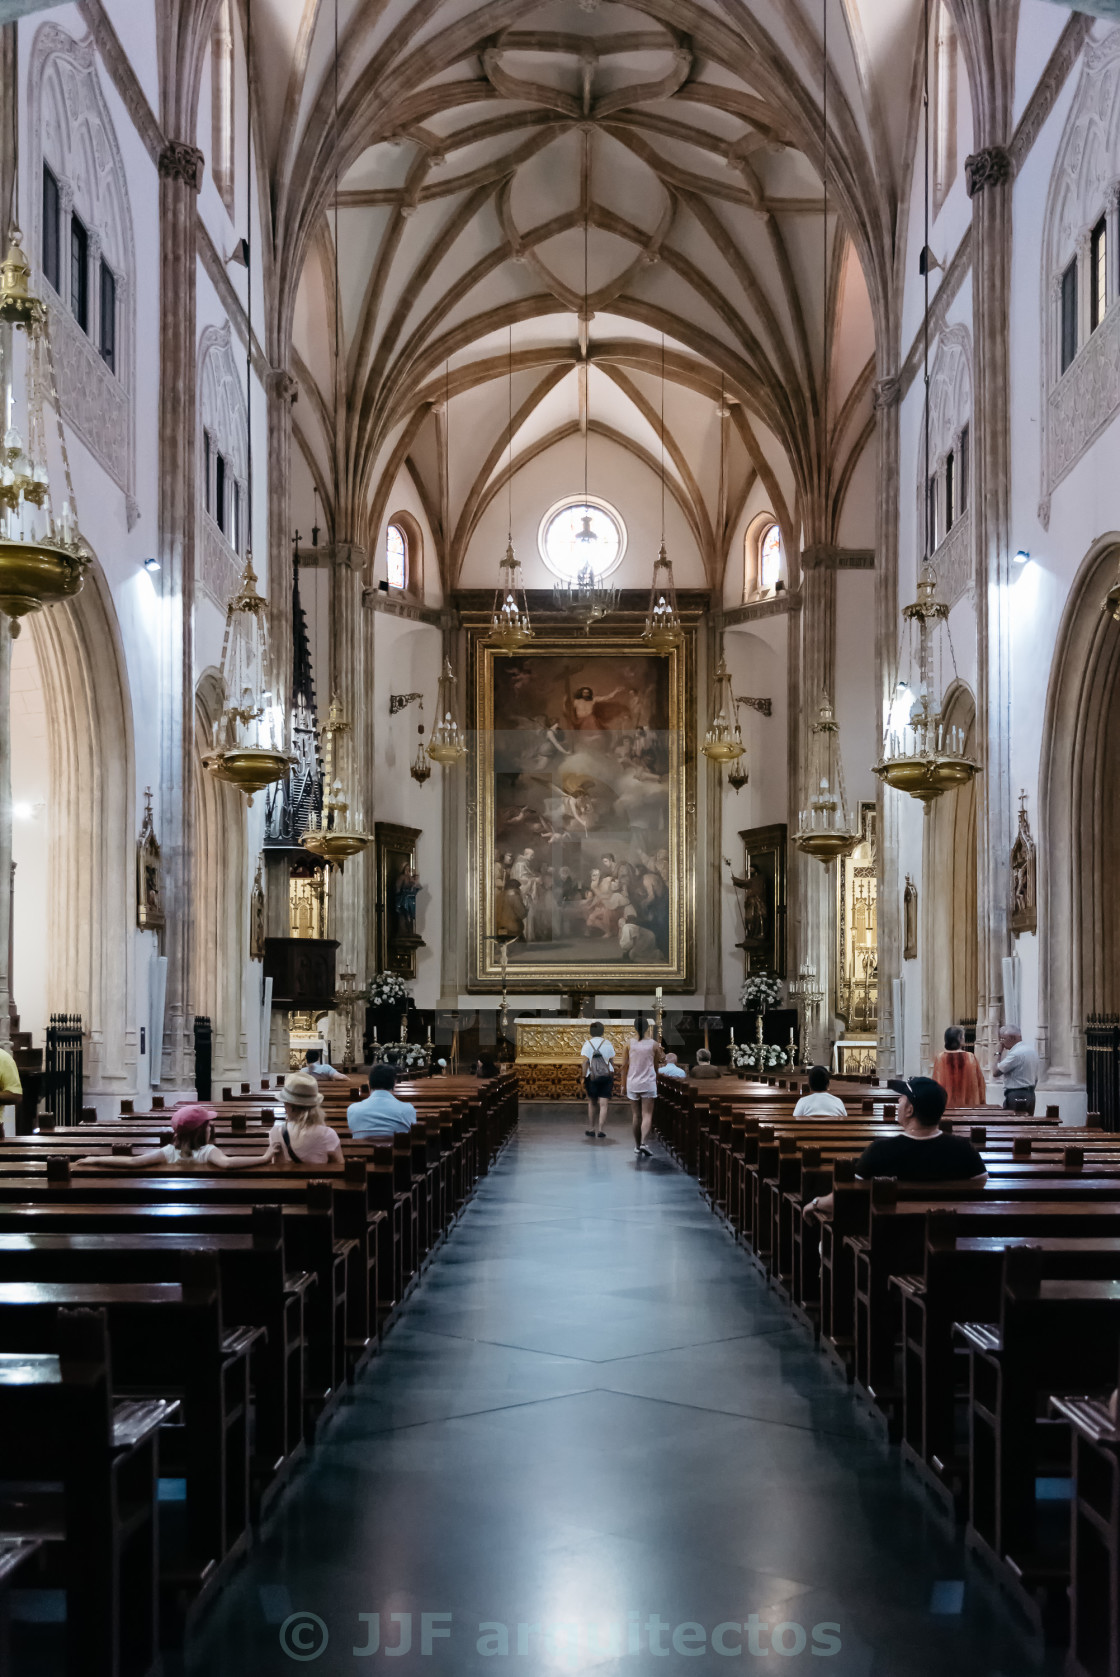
(396,557)
(769,558)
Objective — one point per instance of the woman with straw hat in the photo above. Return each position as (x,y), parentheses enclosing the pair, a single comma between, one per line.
(303,1136)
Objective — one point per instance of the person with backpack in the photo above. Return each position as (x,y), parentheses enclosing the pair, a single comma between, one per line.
(597,1055)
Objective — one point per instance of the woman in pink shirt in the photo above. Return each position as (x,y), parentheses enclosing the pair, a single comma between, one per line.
(639,1073)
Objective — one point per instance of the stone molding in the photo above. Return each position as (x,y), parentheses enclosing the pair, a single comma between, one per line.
(98,403)
(886,393)
(821,556)
(1077,404)
(179,161)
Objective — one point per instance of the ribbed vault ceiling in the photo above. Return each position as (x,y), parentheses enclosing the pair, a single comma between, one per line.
(482,154)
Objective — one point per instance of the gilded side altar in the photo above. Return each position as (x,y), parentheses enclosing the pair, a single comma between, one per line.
(548,1055)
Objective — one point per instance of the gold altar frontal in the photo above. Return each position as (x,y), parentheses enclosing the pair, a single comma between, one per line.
(548,1065)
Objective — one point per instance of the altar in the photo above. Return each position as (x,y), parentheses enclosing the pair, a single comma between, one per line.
(549,1067)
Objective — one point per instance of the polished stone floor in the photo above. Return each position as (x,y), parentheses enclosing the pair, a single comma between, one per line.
(593,1430)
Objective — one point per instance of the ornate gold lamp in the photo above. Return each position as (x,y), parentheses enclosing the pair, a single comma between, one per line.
(43,558)
(248,749)
(921,756)
(824,827)
(447,744)
(510,628)
(663,624)
(333,834)
(723,742)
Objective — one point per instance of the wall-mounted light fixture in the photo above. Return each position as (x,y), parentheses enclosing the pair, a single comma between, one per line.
(151,566)
(1021,557)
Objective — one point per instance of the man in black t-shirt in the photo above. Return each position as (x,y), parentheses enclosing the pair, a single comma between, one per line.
(923,1152)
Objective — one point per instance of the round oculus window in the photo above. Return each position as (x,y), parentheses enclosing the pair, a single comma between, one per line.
(581,533)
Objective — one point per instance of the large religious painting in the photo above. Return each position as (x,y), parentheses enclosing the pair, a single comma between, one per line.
(582,819)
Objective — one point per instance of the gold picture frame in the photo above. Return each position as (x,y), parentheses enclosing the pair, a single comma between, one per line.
(597,765)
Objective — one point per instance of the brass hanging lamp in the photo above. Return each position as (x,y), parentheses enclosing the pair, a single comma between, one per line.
(43,557)
(446,744)
(824,827)
(921,756)
(510,628)
(334,834)
(723,742)
(248,749)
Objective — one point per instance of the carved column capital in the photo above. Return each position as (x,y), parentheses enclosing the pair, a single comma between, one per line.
(989,167)
(284,385)
(348,556)
(179,161)
(887,392)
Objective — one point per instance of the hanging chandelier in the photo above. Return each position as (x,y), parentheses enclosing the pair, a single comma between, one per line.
(421,766)
(43,558)
(248,742)
(587,596)
(509,622)
(333,834)
(447,744)
(921,756)
(663,625)
(825,828)
(737,776)
(723,742)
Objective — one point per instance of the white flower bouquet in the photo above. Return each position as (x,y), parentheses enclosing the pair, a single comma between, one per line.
(386,989)
(760,1056)
(760,990)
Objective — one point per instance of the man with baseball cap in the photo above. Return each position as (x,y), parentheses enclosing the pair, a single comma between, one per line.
(923,1152)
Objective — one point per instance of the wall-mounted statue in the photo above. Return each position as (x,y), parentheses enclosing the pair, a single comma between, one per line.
(1024,900)
(256,915)
(149,872)
(910,921)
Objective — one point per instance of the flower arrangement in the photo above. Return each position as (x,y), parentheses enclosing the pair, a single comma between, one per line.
(386,989)
(408,1056)
(760,1056)
(760,990)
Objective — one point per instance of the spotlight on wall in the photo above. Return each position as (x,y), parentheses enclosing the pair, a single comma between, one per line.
(151,565)
(383,587)
(1021,557)
(928,263)
(239,254)
(22,812)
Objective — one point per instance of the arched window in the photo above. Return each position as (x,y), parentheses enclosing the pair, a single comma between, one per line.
(769,559)
(396,557)
(762,557)
(944,52)
(221,104)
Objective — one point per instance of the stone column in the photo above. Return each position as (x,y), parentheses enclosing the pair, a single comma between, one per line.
(815,882)
(888,802)
(348,888)
(988,174)
(281,391)
(180,176)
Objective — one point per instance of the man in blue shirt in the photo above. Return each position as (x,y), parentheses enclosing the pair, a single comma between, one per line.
(380,1113)
(671,1068)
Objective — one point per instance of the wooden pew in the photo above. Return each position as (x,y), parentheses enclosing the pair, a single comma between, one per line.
(1052,1337)
(1094,1594)
(62,1425)
(168,1341)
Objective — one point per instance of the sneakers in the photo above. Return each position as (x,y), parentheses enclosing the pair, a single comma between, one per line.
(644,1152)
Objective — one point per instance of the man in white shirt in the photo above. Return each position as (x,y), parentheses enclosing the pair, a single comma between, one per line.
(318,1067)
(818,1103)
(1018,1067)
(381,1113)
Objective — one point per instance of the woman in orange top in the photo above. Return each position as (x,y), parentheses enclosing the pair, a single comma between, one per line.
(958,1071)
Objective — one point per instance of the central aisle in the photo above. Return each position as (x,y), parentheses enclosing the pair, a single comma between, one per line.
(591,1408)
